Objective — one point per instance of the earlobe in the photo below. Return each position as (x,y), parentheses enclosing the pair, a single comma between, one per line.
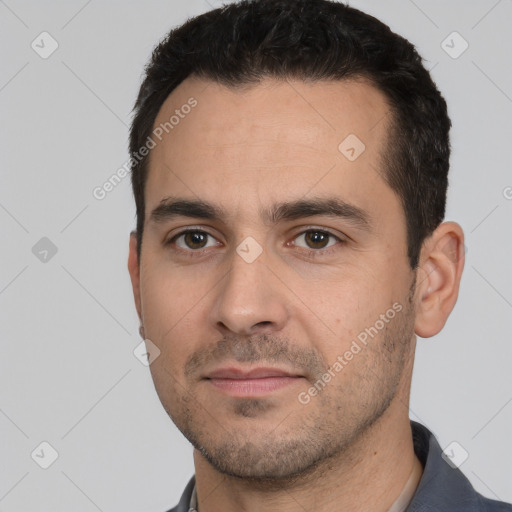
(438,278)
(134,270)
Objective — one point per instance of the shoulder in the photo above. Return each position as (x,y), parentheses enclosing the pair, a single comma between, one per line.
(488,505)
(443,487)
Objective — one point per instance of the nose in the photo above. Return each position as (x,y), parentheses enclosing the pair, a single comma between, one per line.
(250,299)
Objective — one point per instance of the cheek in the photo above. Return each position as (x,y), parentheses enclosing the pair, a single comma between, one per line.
(169,295)
(337,310)
(174,312)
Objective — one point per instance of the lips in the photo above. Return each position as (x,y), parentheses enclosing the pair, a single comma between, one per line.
(251,383)
(255,373)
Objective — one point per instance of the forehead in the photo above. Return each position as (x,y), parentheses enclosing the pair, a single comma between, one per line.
(268,140)
(267,108)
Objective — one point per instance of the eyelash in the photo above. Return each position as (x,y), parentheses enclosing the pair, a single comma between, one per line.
(309,253)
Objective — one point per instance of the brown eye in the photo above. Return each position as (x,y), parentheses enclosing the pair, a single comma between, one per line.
(195,239)
(316,239)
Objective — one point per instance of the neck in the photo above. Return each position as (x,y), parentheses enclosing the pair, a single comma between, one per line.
(369,475)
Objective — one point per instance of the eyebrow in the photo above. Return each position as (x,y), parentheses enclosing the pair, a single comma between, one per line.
(170,208)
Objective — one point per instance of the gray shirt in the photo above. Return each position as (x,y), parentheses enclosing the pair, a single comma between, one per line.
(442,488)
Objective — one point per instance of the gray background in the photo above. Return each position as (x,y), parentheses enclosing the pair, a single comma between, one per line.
(68,326)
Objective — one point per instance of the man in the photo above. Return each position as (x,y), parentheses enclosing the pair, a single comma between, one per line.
(290,162)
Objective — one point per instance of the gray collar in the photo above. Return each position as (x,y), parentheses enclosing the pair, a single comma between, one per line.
(193,501)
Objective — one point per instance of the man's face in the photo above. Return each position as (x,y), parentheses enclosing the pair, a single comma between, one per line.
(284,332)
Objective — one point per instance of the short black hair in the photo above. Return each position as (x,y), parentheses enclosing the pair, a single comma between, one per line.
(311,40)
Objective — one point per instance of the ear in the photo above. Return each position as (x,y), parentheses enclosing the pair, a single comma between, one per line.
(438,278)
(134,270)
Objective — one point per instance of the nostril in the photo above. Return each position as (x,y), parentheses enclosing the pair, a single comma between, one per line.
(264,323)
